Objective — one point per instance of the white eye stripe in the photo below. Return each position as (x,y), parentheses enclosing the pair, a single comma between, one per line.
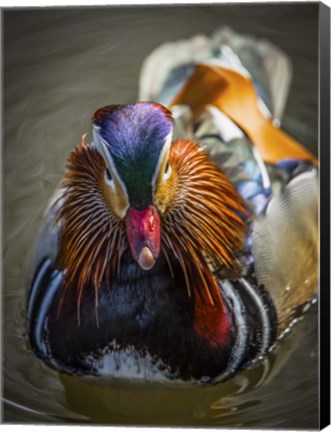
(101,146)
(164,154)
(115,183)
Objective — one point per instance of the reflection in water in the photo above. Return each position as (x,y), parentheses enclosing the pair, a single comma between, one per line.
(59,67)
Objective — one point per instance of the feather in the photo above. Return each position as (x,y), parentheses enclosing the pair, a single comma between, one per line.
(285,245)
(235,95)
(204,223)
(91,240)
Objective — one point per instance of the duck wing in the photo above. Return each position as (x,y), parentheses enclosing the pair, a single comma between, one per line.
(166,69)
(285,246)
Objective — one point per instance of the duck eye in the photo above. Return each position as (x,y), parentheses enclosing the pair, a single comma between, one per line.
(108,175)
(109,178)
(167,171)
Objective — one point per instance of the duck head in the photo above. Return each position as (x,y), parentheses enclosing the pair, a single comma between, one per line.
(134,142)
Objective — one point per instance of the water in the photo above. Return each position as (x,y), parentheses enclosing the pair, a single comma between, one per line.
(59,67)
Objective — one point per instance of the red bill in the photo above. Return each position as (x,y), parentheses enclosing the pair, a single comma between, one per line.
(144,234)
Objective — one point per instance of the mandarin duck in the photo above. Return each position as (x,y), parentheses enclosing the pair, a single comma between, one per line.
(182,241)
